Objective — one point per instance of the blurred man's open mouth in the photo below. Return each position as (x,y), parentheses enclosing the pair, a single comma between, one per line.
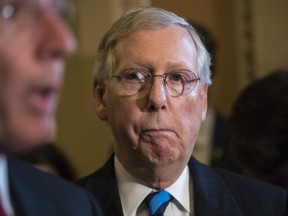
(42,101)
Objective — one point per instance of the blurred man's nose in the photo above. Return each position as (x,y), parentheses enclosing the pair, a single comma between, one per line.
(58,40)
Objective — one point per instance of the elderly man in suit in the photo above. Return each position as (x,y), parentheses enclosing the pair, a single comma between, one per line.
(151,85)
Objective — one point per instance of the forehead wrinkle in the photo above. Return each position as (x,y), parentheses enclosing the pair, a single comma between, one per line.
(134,56)
(152,67)
(127,60)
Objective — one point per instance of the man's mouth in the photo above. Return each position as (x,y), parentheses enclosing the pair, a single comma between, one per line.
(42,100)
(152,131)
(156,133)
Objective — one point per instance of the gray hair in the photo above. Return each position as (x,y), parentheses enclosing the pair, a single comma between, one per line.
(146,18)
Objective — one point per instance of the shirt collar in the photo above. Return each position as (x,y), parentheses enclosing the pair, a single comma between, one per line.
(127,185)
(180,189)
(4,186)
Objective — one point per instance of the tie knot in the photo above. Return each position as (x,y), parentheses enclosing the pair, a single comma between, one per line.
(157,202)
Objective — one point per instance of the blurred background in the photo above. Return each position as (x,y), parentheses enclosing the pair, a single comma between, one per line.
(251,40)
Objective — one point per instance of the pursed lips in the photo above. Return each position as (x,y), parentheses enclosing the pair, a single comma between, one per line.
(156,131)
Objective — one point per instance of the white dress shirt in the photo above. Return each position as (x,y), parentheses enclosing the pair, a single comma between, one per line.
(132,194)
(4,187)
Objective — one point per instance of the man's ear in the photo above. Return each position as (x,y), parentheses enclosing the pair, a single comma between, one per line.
(204,100)
(100,107)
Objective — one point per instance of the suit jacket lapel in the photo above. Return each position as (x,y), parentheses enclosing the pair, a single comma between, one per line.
(17,188)
(104,186)
(107,195)
(211,195)
(202,207)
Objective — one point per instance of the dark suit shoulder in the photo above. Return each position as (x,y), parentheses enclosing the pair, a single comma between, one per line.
(249,190)
(250,196)
(253,196)
(232,178)
(46,193)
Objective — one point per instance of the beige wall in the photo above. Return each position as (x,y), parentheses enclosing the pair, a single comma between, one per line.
(88,141)
(85,139)
(268,27)
(271,35)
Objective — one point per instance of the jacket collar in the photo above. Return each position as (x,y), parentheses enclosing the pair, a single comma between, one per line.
(103,185)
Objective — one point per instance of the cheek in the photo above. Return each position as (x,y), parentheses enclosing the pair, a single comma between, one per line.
(191,109)
(191,116)
(119,108)
(14,71)
(120,111)
(122,117)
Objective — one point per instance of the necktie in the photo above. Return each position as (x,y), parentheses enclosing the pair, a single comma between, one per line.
(2,213)
(157,202)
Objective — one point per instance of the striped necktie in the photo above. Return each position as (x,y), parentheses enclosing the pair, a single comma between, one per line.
(157,202)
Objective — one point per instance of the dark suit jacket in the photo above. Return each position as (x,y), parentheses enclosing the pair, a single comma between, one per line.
(36,193)
(216,192)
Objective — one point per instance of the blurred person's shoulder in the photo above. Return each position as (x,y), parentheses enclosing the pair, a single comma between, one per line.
(46,192)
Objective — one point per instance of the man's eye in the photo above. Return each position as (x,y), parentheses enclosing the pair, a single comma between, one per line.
(177,77)
(9,11)
(134,76)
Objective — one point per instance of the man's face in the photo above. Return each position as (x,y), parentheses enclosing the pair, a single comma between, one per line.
(152,128)
(33,48)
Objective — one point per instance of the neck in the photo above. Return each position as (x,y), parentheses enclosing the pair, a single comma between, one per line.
(157,177)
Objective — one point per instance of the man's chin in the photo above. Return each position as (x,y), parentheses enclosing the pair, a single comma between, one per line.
(21,147)
(28,140)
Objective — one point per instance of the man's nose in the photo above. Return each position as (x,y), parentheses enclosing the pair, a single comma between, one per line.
(58,40)
(157,94)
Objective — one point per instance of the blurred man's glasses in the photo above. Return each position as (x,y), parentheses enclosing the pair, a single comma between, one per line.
(25,11)
(178,82)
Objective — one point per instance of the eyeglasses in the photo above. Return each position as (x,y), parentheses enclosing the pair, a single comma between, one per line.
(178,82)
(25,11)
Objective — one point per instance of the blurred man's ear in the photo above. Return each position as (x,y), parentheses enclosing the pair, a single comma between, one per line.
(100,107)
